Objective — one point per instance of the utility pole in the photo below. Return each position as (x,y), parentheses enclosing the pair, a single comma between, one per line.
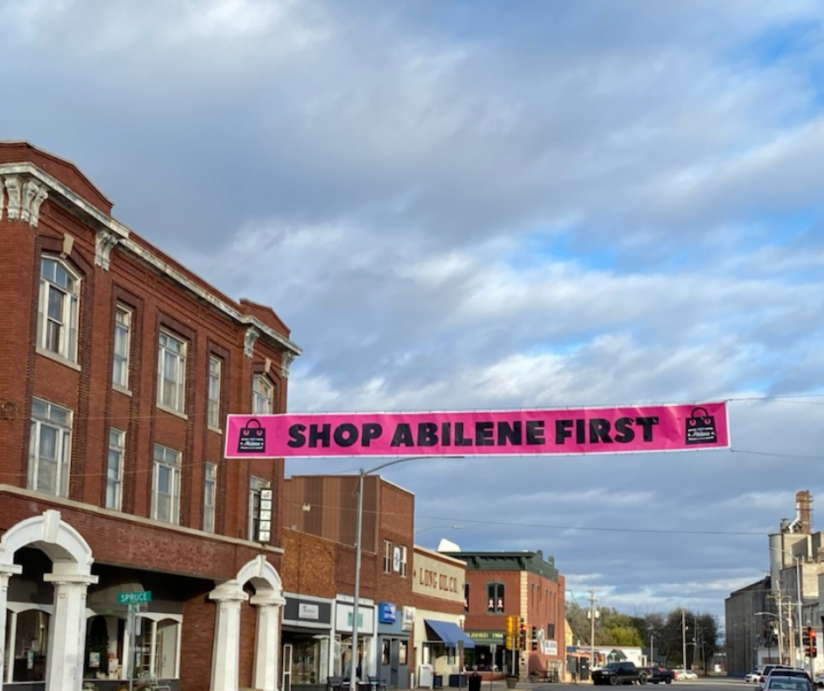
(591,630)
(683,639)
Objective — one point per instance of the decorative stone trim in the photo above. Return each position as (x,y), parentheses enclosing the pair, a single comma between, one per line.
(67,197)
(23,199)
(252,335)
(104,243)
(286,359)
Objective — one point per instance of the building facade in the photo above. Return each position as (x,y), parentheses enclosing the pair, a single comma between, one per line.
(438,582)
(128,545)
(765,630)
(322,510)
(520,584)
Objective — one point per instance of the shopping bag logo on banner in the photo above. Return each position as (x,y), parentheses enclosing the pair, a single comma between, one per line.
(701,427)
(252,437)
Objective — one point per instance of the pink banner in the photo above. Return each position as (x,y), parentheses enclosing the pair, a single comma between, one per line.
(689,427)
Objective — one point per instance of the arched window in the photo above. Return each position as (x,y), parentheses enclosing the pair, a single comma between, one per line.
(495,597)
(57,311)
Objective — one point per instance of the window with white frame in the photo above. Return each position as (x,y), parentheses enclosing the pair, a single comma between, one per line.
(57,312)
(263,395)
(215,368)
(166,484)
(387,556)
(171,372)
(50,448)
(114,470)
(255,485)
(209,496)
(403,562)
(122,344)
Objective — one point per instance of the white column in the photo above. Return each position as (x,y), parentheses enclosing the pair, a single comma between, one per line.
(67,634)
(267,641)
(226,647)
(5,574)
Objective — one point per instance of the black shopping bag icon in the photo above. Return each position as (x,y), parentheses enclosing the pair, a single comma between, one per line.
(701,427)
(252,437)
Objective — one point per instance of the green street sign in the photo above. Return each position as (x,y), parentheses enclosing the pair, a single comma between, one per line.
(135,597)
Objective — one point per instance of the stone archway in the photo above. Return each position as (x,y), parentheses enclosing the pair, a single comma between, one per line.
(71,576)
(268,598)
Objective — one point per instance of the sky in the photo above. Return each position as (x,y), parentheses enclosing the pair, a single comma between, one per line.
(478,205)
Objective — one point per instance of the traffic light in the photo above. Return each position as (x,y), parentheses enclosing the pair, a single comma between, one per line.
(522,634)
(813,641)
(806,640)
(534,630)
(510,633)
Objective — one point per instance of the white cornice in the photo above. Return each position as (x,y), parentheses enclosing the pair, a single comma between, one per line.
(70,198)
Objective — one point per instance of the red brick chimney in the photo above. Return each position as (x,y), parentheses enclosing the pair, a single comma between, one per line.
(804,511)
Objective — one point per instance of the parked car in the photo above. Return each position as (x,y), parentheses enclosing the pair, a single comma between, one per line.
(754,677)
(819,681)
(659,673)
(687,674)
(779,680)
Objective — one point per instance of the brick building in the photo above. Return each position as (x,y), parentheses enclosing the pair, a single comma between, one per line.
(321,513)
(521,584)
(119,367)
(396,597)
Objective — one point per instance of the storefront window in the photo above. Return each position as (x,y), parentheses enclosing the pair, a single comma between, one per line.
(30,630)
(104,648)
(403,652)
(386,647)
(309,655)
(345,655)
(156,647)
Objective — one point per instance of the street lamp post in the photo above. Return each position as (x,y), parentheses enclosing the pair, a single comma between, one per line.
(353,679)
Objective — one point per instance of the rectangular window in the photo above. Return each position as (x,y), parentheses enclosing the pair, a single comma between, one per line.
(255,485)
(215,367)
(403,562)
(57,309)
(122,344)
(495,597)
(171,372)
(263,395)
(50,448)
(387,556)
(550,632)
(209,495)
(166,484)
(114,470)
(403,652)
(466,597)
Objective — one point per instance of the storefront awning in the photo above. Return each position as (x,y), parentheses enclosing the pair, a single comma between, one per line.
(451,634)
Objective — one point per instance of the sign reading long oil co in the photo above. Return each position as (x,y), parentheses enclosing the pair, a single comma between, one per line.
(485,433)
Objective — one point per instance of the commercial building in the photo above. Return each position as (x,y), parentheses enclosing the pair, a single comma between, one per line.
(519,584)
(765,621)
(119,367)
(321,511)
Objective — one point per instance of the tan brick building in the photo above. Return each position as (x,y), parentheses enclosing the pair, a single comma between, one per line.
(119,366)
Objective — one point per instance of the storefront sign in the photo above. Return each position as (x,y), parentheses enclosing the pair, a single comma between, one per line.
(481,433)
(308,611)
(437,578)
(487,637)
(408,614)
(386,613)
(344,618)
(550,647)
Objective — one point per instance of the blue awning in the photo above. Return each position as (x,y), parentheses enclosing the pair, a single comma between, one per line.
(451,634)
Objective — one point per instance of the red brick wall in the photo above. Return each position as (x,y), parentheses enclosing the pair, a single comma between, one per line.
(156,301)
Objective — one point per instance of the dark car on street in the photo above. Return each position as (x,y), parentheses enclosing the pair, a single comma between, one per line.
(620,673)
(660,674)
